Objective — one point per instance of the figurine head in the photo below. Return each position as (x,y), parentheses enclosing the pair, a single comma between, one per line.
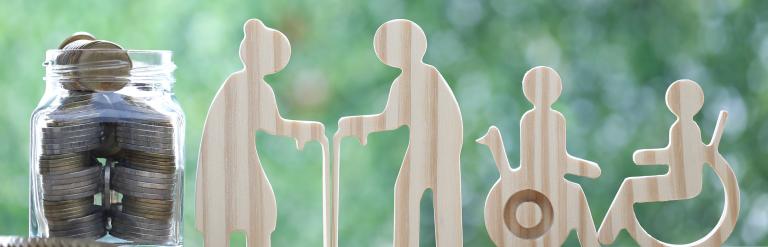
(685,98)
(400,43)
(264,50)
(542,86)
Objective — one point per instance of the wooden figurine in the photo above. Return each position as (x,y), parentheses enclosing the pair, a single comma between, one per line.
(421,99)
(534,205)
(233,192)
(685,154)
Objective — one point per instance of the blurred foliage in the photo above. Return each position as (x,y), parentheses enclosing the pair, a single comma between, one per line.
(616,59)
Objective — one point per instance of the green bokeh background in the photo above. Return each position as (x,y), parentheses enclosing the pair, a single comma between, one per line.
(616,59)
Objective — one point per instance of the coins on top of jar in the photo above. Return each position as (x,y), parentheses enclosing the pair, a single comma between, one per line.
(89,64)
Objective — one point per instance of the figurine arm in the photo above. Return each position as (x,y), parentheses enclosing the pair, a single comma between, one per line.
(273,123)
(583,168)
(302,131)
(651,156)
(362,126)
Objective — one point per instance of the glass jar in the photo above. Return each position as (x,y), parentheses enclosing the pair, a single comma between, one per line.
(106,154)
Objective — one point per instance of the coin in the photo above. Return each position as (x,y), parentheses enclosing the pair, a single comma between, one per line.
(97,65)
(70,128)
(70,196)
(150,149)
(146,126)
(157,169)
(136,190)
(148,174)
(68,209)
(81,171)
(144,184)
(126,226)
(129,132)
(138,228)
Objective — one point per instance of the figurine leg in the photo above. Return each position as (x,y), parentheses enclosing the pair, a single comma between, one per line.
(633,190)
(584,225)
(216,236)
(447,205)
(407,208)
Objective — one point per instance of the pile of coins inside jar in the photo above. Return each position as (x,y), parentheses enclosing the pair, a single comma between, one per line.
(98,141)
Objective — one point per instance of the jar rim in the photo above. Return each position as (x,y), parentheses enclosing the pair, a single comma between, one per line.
(123,67)
(138,51)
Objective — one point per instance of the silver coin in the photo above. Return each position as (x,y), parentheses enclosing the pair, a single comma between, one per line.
(66,203)
(149,162)
(95,234)
(146,148)
(149,155)
(125,220)
(80,184)
(61,170)
(147,214)
(143,194)
(145,184)
(70,128)
(45,161)
(139,238)
(89,236)
(70,150)
(79,173)
(97,130)
(80,227)
(65,165)
(145,143)
(142,139)
(70,196)
(145,127)
(126,226)
(160,204)
(71,145)
(54,213)
(148,180)
(63,214)
(137,207)
(134,172)
(64,156)
(69,139)
(120,185)
(169,170)
(117,213)
(56,180)
(66,174)
(54,193)
(95,215)
(127,132)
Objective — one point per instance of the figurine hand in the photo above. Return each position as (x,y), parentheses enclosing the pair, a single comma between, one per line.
(347,128)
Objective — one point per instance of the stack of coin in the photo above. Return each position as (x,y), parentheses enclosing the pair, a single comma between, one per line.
(71,176)
(93,65)
(153,138)
(146,213)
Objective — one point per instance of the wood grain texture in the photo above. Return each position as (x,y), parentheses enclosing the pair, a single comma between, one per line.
(232,190)
(685,155)
(560,206)
(421,99)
